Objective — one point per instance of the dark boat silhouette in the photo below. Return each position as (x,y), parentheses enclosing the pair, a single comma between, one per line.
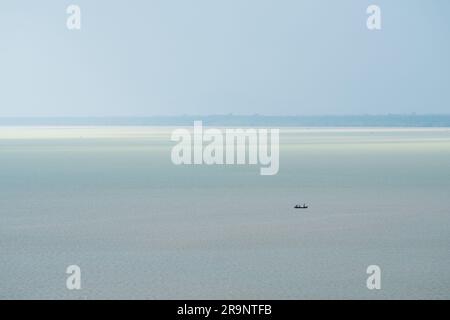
(303,206)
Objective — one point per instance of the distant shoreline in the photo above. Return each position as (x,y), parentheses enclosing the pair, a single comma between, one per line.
(391,120)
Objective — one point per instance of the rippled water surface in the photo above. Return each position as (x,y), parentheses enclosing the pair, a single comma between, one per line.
(110,200)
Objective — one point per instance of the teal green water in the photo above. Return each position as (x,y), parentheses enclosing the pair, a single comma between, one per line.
(111,201)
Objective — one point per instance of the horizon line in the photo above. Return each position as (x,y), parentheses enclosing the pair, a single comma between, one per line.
(412,114)
(362,120)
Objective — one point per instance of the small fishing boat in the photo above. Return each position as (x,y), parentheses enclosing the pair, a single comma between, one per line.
(303,206)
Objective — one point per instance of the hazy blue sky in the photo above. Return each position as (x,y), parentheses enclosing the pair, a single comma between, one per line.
(167,57)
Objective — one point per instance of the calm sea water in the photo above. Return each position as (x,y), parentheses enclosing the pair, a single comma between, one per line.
(110,200)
